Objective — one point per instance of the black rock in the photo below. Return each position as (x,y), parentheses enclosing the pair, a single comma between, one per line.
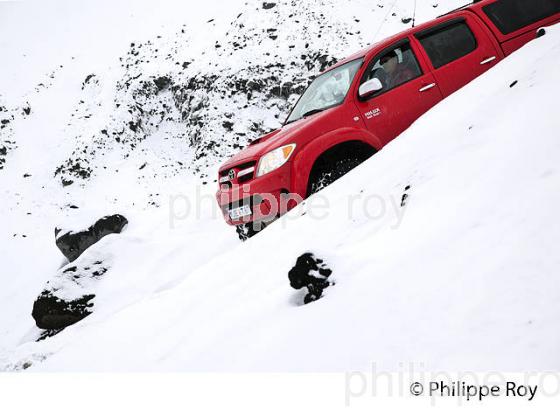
(87,80)
(52,313)
(268,6)
(404,196)
(73,244)
(67,298)
(162,82)
(228,125)
(312,273)
(133,126)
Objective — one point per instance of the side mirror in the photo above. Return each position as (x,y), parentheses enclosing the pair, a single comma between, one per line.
(369,87)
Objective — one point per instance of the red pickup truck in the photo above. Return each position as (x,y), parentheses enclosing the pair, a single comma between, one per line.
(354,108)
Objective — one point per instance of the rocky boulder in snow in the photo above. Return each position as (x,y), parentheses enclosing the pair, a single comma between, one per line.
(67,298)
(52,313)
(310,272)
(73,244)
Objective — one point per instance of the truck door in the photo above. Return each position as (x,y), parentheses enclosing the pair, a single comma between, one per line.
(459,50)
(407,91)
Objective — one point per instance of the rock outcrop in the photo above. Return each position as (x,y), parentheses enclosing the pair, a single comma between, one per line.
(67,298)
(73,244)
(311,272)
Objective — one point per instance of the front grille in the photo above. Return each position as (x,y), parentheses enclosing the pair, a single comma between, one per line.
(247,177)
(236,175)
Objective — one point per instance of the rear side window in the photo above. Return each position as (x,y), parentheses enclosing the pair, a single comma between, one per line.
(448,42)
(511,15)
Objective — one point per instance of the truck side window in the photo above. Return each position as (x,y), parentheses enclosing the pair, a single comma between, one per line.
(447,43)
(394,67)
(511,15)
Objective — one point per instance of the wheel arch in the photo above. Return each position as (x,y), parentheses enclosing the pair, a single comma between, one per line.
(343,140)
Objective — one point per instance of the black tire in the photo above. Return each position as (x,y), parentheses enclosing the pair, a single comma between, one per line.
(248,230)
(245,231)
(326,175)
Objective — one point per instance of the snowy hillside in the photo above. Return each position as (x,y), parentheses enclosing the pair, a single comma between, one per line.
(450,243)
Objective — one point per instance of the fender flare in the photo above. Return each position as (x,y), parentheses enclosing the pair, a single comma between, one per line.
(303,161)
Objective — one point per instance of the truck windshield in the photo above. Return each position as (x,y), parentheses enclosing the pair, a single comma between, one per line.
(327,90)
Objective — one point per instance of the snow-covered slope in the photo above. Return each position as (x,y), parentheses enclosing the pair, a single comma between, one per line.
(461,274)
(74,76)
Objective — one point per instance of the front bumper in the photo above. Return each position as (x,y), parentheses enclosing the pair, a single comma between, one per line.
(264,195)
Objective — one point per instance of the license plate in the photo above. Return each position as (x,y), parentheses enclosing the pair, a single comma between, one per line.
(240,212)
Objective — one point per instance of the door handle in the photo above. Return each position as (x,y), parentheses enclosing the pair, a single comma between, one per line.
(427,87)
(488,60)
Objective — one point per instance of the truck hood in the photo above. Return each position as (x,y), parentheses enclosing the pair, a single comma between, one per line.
(282,136)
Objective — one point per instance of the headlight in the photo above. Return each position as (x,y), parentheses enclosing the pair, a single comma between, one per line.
(275,159)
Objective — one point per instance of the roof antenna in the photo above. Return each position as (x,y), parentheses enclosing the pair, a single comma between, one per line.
(414,15)
(384,19)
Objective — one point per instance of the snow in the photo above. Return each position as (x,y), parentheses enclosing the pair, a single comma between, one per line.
(462,277)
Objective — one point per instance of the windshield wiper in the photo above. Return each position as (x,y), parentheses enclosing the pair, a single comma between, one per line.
(311,112)
(307,114)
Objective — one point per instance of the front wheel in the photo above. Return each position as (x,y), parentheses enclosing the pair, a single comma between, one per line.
(245,231)
(248,230)
(327,174)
